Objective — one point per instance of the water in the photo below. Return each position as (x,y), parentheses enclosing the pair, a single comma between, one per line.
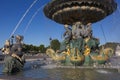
(27,26)
(22,18)
(30,73)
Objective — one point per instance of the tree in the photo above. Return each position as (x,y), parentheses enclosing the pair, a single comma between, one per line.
(55,44)
(30,48)
(112,45)
(42,48)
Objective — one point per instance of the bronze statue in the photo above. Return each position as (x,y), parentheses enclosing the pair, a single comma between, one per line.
(14,59)
(68,33)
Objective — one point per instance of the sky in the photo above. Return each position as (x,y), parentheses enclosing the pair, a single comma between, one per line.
(39,29)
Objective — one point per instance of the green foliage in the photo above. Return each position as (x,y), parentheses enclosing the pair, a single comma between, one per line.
(112,45)
(33,49)
(55,44)
(42,48)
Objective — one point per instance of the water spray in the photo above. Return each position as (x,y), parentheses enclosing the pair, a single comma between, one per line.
(26,28)
(23,17)
(103,32)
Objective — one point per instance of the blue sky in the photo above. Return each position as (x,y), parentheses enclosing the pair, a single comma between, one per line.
(42,28)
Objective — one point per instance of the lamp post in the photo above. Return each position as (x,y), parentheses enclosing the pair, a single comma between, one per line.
(50,41)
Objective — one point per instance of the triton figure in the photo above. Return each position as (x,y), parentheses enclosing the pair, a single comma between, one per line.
(14,59)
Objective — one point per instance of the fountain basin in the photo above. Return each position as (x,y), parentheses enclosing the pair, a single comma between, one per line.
(86,11)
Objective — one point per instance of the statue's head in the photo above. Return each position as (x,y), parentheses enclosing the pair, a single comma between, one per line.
(89,24)
(7,42)
(19,38)
(6,48)
(66,25)
(78,23)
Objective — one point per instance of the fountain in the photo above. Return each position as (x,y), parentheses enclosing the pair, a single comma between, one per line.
(79,46)
(14,59)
